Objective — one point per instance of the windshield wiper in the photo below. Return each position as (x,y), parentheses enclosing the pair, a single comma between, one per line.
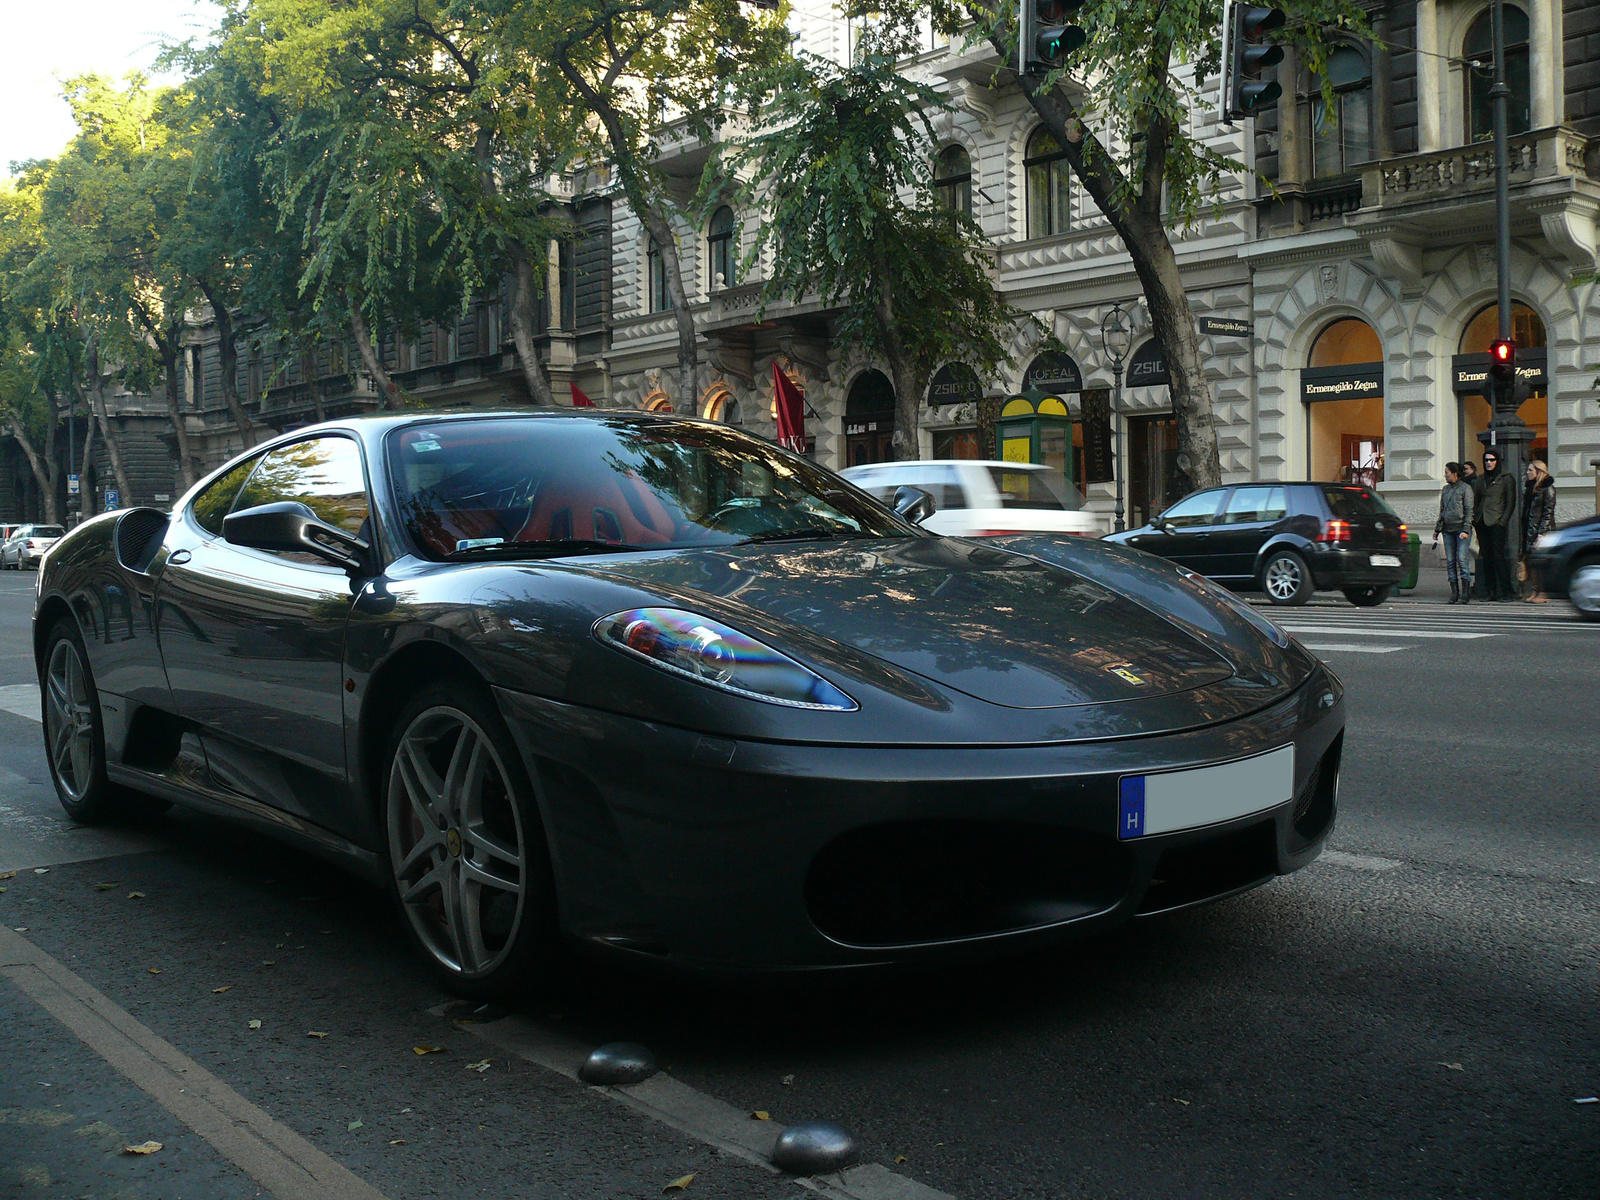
(809,533)
(542,549)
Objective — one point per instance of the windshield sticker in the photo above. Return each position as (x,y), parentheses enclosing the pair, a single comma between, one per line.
(423,447)
(474,543)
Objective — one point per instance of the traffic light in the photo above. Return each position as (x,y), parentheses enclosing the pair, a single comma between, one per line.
(1045,37)
(1245,55)
(1503,359)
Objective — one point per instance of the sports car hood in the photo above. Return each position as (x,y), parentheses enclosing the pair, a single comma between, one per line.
(1003,627)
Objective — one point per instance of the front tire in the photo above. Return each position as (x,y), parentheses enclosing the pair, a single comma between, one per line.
(1367,597)
(469,867)
(1583,589)
(1286,579)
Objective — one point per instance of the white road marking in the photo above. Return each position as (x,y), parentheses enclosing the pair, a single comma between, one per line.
(1359,862)
(1453,634)
(275,1156)
(21,699)
(703,1117)
(1352,648)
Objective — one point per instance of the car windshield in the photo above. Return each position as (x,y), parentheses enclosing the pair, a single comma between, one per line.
(1039,488)
(46,531)
(530,485)
(1349,503)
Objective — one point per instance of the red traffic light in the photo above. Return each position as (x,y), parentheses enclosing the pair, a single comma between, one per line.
(1503,358)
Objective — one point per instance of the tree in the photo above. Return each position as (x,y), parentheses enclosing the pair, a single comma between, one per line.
(634,65)
(1136,83)
(843,172)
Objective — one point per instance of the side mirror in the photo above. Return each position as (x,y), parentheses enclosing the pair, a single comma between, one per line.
(288,525)
(914,504)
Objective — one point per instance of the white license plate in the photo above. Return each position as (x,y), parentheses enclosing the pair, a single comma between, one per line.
(1385,560)
(1174,800)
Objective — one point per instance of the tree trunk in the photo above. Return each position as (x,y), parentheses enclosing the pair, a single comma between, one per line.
(84,486)
(97,402)
(389,393)
(907,442)
(229,352)
(171,351)
(1136,216)
(523,289)
(43,467)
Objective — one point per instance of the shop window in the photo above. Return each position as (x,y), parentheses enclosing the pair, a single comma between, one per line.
(1344,424)
(1049,185)
(1527,330)
(1341,132)
(660,301)
(952,179)
(724,249)
(869,420)
(958,443)
(1478,51)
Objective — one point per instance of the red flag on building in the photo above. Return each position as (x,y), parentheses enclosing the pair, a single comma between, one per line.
(579,400)
(791,411)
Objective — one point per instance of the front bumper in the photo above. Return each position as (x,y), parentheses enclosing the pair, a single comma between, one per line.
(674,846)
(1335,567)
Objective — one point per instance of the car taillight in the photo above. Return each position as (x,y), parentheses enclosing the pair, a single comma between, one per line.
(1335,531)
(1402,531)
(32,545)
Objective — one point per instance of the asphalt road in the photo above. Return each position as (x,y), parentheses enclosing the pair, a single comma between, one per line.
(1414,1016)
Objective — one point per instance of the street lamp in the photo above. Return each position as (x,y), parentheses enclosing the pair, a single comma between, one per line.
(1116,339)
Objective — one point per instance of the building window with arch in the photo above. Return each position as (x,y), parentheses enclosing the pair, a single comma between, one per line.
(657,401)
(723,243)
(660,300)
(1049,185)
(1478,50)
(720,404)
(1527,330)
(1341,131)
(952,179)
(1342,386)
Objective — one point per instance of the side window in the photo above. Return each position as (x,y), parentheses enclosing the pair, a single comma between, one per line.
(1254,505)
(211,505)
(324,474)
(1191,511)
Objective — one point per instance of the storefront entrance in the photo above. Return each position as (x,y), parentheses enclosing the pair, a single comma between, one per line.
(1154,480)
(1342,388)
(869,420)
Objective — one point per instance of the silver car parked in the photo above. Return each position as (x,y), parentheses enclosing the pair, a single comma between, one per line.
(27,544)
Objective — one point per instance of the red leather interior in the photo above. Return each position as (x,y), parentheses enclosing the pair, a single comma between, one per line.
(596,505)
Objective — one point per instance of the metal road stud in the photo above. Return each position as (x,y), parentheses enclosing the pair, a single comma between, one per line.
(618,1063)
(815,1148)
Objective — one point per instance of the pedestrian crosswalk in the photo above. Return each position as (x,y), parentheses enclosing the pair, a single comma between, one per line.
(1395,628)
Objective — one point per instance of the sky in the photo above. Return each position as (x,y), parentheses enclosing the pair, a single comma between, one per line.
(47,39)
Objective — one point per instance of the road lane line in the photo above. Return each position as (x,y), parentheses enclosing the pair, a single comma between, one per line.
(272,1154)
(1352,648)
(1453,634)
(703,1117)
(1358,862)
(21,699)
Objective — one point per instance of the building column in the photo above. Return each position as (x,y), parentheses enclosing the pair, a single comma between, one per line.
(1544,71)
(1382,87)
(1431,76)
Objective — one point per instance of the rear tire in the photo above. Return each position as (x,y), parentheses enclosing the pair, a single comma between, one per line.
(1286,579)
(467,861)
(1583,588)
(1367,597)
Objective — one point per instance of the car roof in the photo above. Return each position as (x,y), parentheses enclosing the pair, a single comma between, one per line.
(911,464)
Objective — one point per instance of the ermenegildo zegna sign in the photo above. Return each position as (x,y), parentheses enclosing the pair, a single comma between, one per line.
(1469,372)
(1225,327)
(1357,381)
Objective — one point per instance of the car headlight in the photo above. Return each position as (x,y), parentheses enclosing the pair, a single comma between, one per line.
(709,652)
(1279,635)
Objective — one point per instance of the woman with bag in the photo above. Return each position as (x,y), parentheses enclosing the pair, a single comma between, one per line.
(1538,516)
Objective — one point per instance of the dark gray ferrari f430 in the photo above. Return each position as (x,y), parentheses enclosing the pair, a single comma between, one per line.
(658,687)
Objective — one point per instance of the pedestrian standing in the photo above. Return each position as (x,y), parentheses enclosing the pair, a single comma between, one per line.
(1499,501)
(1455,525)
(1538,516)
(1470,477)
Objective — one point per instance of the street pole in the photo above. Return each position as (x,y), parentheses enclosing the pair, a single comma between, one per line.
(1116,424)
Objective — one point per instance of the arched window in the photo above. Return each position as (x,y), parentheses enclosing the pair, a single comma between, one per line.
(952,179)
(1049,185)
(721,405)
(1342,387)
(1341,132)
(1478,50)
(724,249)
(660,301)
(657,401)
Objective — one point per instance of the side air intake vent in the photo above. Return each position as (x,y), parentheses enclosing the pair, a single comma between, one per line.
(139,534)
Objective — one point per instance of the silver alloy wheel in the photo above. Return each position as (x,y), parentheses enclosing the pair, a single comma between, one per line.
(1584,588)
(456,842)
(1284,577)
(69,721)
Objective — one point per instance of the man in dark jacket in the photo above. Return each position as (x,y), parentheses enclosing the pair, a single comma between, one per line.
(1499,502)
(1455,525)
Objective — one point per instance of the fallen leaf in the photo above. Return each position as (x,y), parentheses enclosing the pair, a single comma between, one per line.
(1453,1066)
(227,987)
(427,1049)
(19,929)
(269,962)
(2,889)
(41,870)
(1587,1100)
(316,1033)
(135,895)
(1185,1103)
(680,1184)
(104,887)
(324,931)
(900,1158)
(480,1067)
(142,1148)
(398,1142)
(353,1126)
(786,1080)
(255,1024)
(154,970)
(761,1114)
(8,874)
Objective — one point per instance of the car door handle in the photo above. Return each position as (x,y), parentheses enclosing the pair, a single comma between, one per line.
(178,557)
